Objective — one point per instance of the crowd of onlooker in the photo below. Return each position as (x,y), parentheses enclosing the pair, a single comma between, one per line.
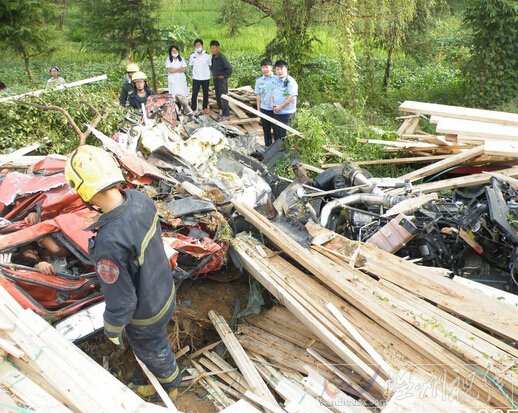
(275,89)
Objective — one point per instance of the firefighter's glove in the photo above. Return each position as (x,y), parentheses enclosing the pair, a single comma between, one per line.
(116,338)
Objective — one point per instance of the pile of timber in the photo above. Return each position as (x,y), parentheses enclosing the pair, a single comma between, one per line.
(275,355)
(42,371)
(243,120)
(396,327)
(458,129)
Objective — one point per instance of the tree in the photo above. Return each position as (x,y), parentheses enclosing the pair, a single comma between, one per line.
(492,72)
(292,18)
(26,28)
(388,23)
(236,15)
(129,29)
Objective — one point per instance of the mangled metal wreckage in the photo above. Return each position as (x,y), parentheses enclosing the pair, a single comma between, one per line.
(193,169)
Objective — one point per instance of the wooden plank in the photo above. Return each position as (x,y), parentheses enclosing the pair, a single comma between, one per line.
(503,118)
(318,386)
(409,125)
(505,148)
(342,281)
(361,340)
(261,115)
(156,384)
(231,376)
(476,129)
(260,272)
(481,310)
(263,403)
(216,393)
(242,121)
(60,87)
(333,151)
(239,407)
(414,159)
(444,164)
(29,392)
(463,181)
(5,159)
(57,361)
(291,392)
(246,367)
(399,143)
(354,388)
(312,168)
(237,110)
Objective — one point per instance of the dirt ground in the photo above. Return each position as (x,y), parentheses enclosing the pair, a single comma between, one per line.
(190,327)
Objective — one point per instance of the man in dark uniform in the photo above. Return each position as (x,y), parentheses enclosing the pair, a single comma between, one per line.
(221,71)
(131,264)
(127,86)
(141,90)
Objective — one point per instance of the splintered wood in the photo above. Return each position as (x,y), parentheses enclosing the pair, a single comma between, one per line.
(400,326)
(239,118)
(42,371)
(463,136)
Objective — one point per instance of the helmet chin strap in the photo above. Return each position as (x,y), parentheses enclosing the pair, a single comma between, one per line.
(92,207)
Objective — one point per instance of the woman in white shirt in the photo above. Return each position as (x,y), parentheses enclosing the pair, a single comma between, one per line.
(55,79)
(175,64)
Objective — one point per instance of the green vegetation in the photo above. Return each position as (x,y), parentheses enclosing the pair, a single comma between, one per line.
(492,71)
(366,56)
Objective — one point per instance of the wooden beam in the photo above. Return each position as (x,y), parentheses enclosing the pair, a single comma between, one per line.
(444,164)
(414,159)
(458,112)
(246,367)
(260,271)
(60,87)
(242,121)
(476,129)
(261,115)
(505,148)
(361,340)
(463,181)
(5,159)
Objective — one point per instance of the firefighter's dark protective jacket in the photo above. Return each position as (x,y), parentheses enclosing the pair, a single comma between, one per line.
(131,264)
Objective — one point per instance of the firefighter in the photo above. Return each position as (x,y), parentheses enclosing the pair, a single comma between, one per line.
(141,90)
(127,86)
(130,262)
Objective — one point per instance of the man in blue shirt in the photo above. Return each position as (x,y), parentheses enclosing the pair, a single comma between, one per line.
(263,90)
(284,98)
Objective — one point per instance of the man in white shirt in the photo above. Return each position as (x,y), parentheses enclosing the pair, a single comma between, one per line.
(200,61)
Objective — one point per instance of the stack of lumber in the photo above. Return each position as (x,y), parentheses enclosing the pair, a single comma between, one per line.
(459,126)
(42,371)
(458,130)
(239,118)
(291,371)
(390,322)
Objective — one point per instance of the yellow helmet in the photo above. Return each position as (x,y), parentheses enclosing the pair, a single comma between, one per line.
(90,170)
(132,67)
(138,76)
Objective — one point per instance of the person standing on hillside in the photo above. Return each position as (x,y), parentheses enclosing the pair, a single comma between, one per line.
(200,62)
(131,265)
(175,65)
(263,91)
(55,79)
(284,98)
(221,71)
(4,88)
(127,86)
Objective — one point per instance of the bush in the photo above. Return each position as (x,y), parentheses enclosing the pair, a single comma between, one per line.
(327,124)
(23,125)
